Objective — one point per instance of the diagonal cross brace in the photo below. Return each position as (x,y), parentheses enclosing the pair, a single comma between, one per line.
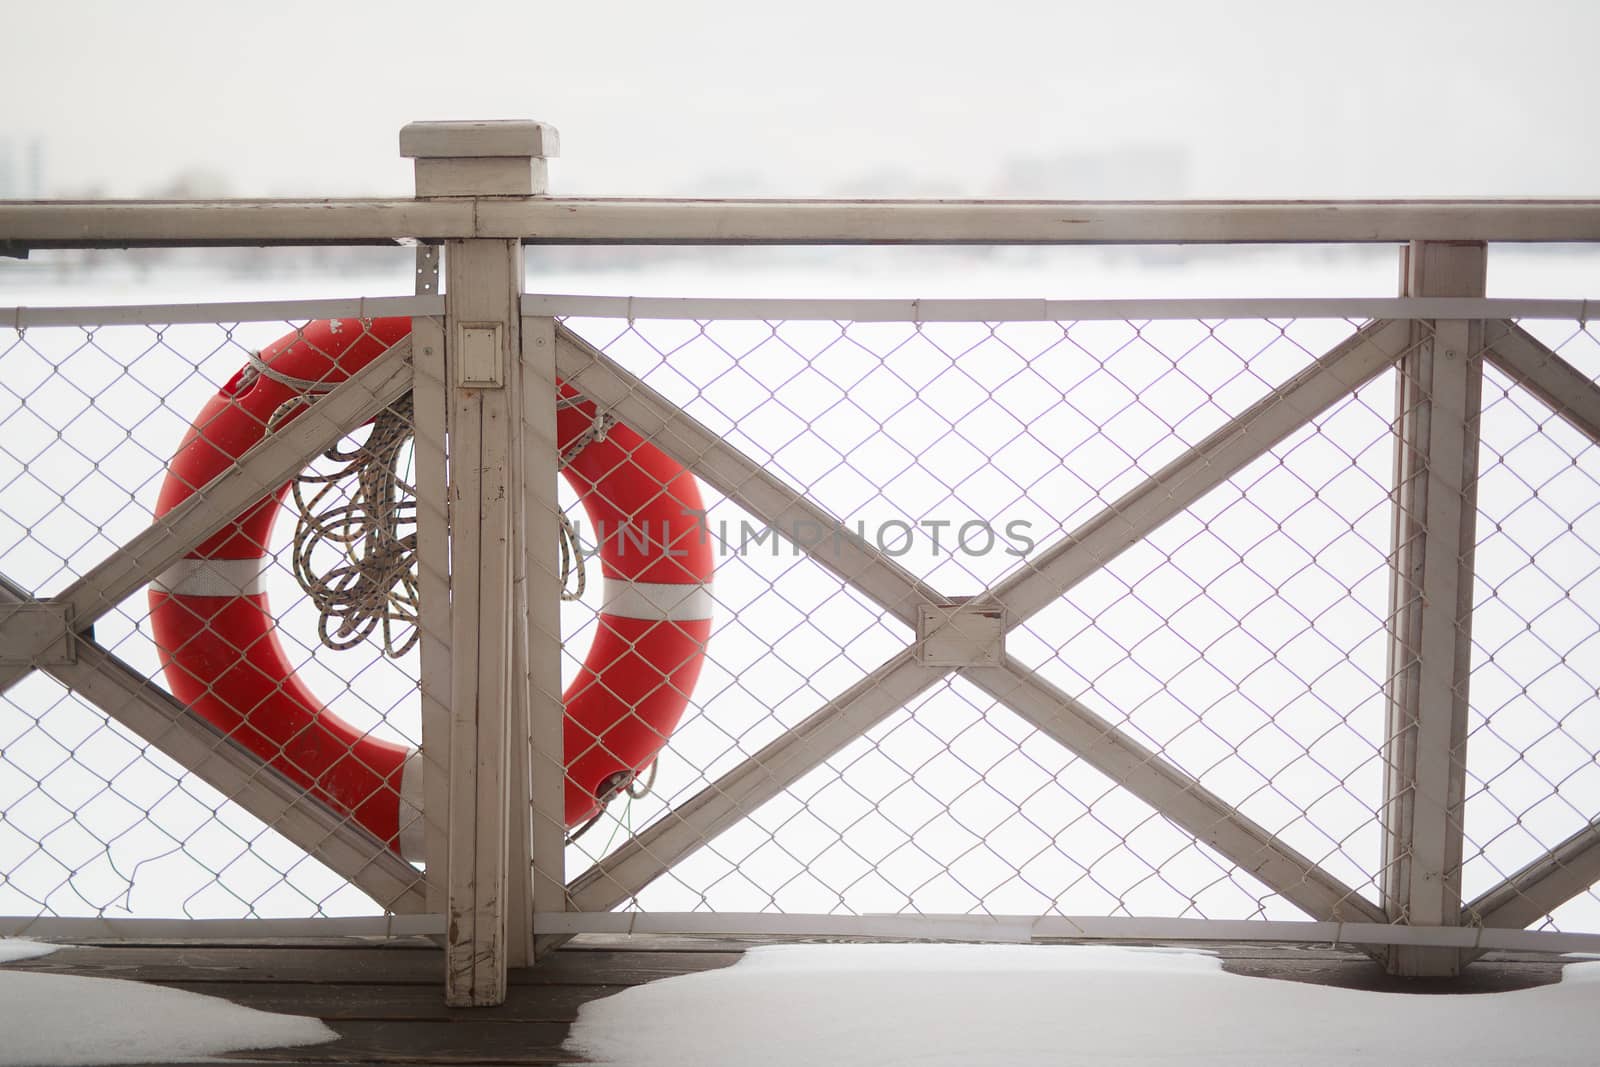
(1226,451)
(151,713)
(1562,387)
(647,855)
(897,680)
(1172,792)
(1543,885)
(257,473)
(766,496)
(125,695)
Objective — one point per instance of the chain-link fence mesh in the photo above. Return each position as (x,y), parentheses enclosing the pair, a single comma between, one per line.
(1534,734)
(101,429)
(1235,638)
(1242,641)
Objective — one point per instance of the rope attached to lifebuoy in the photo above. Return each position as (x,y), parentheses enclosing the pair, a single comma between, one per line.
(216,632)
(365,510)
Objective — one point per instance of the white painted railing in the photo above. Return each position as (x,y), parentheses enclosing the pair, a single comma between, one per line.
(1265,618)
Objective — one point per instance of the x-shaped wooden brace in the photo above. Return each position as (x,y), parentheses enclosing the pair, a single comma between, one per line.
(1567,870)
(51,634)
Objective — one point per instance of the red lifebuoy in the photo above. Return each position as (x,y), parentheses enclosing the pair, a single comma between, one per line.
(216,634)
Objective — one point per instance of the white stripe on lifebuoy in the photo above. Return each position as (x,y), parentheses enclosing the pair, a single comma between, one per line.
(411,835)
(211,577)
(655,600)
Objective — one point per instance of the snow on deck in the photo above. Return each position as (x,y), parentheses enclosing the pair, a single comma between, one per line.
(19,948)
(958,1005)
(48,1019)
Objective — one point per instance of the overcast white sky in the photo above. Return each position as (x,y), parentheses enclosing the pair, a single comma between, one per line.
(1337,97)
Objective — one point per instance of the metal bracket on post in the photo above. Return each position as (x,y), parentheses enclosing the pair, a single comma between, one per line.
(1438,397)
(488,893)
(427,270)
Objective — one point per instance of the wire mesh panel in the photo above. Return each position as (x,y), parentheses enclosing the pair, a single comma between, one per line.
(1245,639)
(1534,734)
(1086,618)
(117,801)
(1239,639)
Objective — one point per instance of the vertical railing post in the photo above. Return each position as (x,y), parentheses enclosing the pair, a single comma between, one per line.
(540,555)
(1438,394)
(487,893)
(430,402)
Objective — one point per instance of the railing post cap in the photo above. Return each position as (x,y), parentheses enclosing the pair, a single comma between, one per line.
(479,138)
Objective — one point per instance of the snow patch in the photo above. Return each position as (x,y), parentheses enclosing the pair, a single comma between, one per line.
(956,1005)
(48,1019)
(20,948)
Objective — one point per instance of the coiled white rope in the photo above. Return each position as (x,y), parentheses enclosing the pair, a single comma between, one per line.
(367,513)
(365,510)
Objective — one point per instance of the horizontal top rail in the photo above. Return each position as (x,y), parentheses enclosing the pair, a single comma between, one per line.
(370,307)
(555,220)
(1013,310)
(774,309)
